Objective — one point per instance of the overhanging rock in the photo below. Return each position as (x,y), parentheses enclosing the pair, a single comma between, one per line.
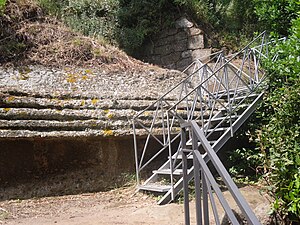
(49,102)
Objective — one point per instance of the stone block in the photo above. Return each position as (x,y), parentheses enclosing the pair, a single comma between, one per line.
(195,31)
(182,64)
(172,58)
(180,36)
(168,32)
(180,46)
(200,53)
(164,41)
(186,54)
(183,23)
(196,42)
(163,50)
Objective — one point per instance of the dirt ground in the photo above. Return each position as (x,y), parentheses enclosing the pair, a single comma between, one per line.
(118,206)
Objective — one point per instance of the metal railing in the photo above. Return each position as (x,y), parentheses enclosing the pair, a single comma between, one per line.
(221,84)
(206,187)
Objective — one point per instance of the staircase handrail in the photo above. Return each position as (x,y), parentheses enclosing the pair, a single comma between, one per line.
(209,183)
(181,82)
(166,109)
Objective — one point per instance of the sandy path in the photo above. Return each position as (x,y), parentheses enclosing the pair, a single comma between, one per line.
(118,206)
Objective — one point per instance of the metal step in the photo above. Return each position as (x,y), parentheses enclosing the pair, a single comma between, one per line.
(177,172)
(249,96)
(155,187)
(189,142)
(180,156)
(219,129)
(221,118)
(222,140)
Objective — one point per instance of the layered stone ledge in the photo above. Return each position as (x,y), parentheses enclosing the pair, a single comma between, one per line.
(47,102)
(62,123)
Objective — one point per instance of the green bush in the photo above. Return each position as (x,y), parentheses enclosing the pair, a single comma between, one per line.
(96,18)
(232,15)
(52,7)
(92,17)
(130,22)
(2,6)
(142,19)
(280,136)
(276,15)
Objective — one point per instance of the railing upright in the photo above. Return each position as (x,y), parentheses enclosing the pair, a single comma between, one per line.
(208,182)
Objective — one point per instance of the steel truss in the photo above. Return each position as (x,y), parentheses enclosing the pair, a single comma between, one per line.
(219,94)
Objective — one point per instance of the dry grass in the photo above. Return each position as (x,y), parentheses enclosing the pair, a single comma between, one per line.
(30,37)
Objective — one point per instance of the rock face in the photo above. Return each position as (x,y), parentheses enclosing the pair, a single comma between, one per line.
(59,119)
(43,102)
(176,48)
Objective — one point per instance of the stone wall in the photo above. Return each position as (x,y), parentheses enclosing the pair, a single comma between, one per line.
(176,48)
(37,167)
(67,131)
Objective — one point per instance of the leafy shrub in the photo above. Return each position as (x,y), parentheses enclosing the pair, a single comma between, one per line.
(94,18)
(53,7)
(277,128)
(222,14)
(280,136)
(139,20)
(97,18)
(276,15)
(2,6)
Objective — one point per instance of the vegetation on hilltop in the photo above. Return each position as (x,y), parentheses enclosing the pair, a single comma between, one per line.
(128,23)
(29,36)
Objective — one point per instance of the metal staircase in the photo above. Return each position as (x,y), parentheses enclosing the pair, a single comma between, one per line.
(219,95)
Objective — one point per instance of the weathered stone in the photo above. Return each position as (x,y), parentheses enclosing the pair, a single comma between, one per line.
(167,32)
(77,102)
(195,31)
(182,64)
(172,58)
(186,54)
(181,36)
(200,53)
(186,39)
(93,162)
(183,23)
(179,46)
(164,50)
(164,41)
(262,213)
(196,42)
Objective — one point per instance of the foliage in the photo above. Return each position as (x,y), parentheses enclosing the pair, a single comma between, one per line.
(97,18)
(94,18)
(142,19)
(234,15)
(2,6)
(276,130)
(53,7)
(129,22)
(280,136)
(276,15)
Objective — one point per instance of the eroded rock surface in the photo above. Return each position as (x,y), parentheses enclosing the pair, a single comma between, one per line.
(48,102)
